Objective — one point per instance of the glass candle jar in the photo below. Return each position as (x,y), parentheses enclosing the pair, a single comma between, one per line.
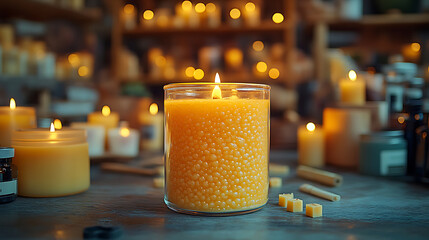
(51,164)
(15,118)
(216,147)
(8,175)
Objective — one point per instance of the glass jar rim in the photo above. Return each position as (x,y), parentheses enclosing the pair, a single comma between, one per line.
(173,86)
(43,135)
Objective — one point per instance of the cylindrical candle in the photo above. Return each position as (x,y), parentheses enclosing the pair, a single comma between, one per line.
(105,118)
(343,127)
(12,118)
(216,147)
(352,90)
(51,163)
(95,136)
(152,124)
(311,144)
(123,142)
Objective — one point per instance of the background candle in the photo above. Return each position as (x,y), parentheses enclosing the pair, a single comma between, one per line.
(124,142)
(343,127)
(13,117)
(151,128)
(129,15)
(95,136)
(311,144)
(216,147)
(51,163)
(105,118)
(352,90)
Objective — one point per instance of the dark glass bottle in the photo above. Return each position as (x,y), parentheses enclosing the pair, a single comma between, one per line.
(8,176)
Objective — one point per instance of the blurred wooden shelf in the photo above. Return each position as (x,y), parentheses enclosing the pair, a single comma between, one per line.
(40,11)
(264,27)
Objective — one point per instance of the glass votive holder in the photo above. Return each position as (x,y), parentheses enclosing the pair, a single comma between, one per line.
(51,164)
(216,147)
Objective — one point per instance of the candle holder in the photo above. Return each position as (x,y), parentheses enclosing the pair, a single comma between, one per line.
(216,147)
(51,163)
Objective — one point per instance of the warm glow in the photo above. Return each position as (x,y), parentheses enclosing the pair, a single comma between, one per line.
(12,103)
(235,13)
(153,109)
(274,73)
(52,128)
(217,94)
(74,59)
(125,132)
(352,75)
(415,47)
(311,127)
(210,7)
(198,74)
(200,7)
(83,71)
(250,7)
(278,18)
(189,72)
(148,15)
(129,9)
(258,46)
(401,120)
(261,67)
(160,61)
(58,124)
(186,6)
(105,111)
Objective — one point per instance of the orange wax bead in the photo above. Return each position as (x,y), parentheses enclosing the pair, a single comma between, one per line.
(217,154)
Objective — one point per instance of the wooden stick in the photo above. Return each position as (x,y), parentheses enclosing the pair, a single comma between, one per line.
(320,176)
(122,168)
(307,188)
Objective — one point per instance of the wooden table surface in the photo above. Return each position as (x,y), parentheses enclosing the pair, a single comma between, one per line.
(370,207)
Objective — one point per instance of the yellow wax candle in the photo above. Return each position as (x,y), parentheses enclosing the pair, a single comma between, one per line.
(352,90)
(217,146)
(311,145)
(105,118)
(12,118)
(152,124)
(51,163)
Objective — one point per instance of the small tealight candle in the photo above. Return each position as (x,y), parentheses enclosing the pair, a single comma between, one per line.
(311,145)
(105,118)
(12,118)
(148,18)
(51,162)
(352,90)
(95,136)
(152,123)
(124,142)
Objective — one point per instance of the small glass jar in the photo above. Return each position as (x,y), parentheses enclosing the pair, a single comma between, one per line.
(8,176)
(51,164)
(216,147)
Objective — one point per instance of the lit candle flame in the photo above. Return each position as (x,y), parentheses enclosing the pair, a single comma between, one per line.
(12,103)
(153,109)
(216,91)
(105,111)
(125,132)
(58,124)
(352,75)
(311,127)
(52,128)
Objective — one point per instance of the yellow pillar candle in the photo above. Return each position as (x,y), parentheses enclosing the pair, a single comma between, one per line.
(352,90)
(152,125)
(105,118)
(217,146)
(12,118)
(51,163)
(311,144)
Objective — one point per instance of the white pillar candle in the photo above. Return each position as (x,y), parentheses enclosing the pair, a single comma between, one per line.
(124,142)
(95,136)
(311,145)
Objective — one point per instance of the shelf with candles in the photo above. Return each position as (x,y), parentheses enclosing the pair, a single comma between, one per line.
(265,27)
(41,11)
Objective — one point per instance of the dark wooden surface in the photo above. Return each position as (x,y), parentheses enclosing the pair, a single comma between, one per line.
(370,208)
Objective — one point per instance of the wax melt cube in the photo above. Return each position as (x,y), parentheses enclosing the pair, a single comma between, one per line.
(275,182)
(284,197)
(158,182)
(294,205)
(313,210)
(278,170)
